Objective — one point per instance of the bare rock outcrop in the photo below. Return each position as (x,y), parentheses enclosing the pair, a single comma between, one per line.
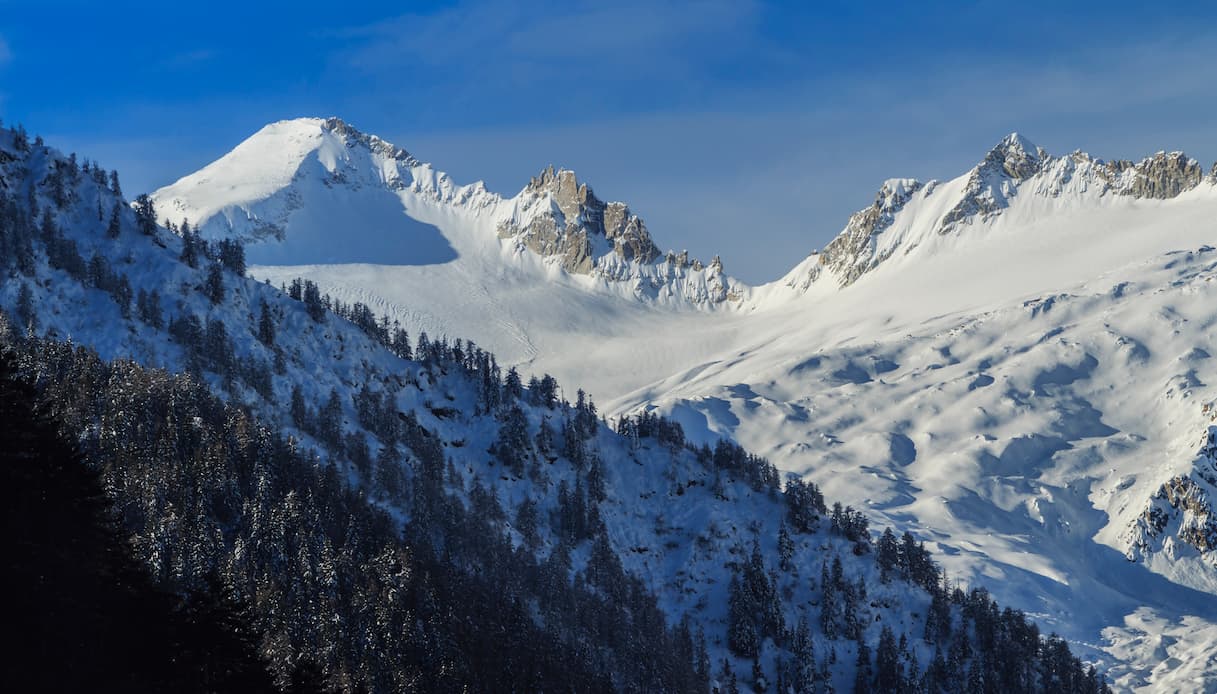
(570,227)
(852,252)
(1160,177)
(1012,168)
(1182,510)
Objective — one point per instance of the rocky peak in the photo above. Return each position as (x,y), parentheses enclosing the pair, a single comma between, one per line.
(374,144)
(995,180)
(569,226)
(1162,176)
(568,193)
(1016,157)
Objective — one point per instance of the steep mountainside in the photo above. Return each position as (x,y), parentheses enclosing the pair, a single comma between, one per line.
(347,483)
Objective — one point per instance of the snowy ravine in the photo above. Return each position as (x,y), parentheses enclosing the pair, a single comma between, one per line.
(1017,362)
(82,266)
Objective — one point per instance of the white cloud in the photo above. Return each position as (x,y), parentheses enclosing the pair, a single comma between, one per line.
(560,50)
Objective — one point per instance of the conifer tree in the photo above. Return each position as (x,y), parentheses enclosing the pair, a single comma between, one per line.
(80,613)
(213,287)
(26,317)
(266,326)
(863,680)
(145,214)
(114,228)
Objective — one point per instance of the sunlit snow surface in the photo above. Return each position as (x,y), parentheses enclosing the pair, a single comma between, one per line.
(1015,390)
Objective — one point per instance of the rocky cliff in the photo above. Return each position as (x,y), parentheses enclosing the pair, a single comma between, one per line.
(564,219)
(1181,516)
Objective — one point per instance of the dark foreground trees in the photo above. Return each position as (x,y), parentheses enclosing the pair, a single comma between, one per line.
(80,613)
(223,511)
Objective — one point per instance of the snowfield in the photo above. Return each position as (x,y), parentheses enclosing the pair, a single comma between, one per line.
(1015,362)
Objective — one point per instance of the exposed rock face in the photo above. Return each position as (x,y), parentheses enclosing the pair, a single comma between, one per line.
(1161,177)
(1182,511)
(1016,157)
(575,219)
(852,253)
(1015,160)
(371,142)
(1014,167)
(994,180)
(559,218)
(546,238)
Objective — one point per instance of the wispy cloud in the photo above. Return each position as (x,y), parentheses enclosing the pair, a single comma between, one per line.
(793,160)
(720,122)
(188,59)
(561,58)
(569,36)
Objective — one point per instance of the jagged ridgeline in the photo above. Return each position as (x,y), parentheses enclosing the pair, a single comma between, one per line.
(397,514)
(1012,168)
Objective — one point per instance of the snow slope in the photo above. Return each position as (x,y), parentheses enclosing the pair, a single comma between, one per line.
(1026,439)
(1018,359)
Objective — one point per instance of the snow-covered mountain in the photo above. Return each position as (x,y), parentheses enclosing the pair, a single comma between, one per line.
(1017,182)
(642,528)
(1016,359)
(312,191)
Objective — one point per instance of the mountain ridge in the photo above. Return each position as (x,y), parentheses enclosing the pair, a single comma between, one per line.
(988,189)
(560,220)
(554,217)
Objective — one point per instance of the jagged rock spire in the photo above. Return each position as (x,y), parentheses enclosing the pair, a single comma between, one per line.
(570,230)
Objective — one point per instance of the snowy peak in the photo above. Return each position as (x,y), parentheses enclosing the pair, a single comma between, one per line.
(318,191)
(372,143)
(312,192)
(907,215)
(1016,157)
(222,197)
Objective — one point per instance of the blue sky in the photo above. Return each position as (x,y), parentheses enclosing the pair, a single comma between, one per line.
(744,128)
